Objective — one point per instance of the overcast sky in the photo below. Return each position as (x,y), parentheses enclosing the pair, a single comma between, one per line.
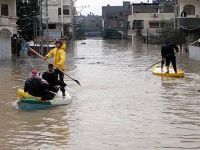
(95,6)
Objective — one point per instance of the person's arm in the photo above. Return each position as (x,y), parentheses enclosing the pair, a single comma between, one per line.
(162,52)
(26,87)
(64,46)
(50,54)
(55,79)
(176,48)
(44,76)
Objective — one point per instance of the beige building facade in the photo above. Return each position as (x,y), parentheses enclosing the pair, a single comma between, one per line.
(60,14)
(146,19)
(7,26)
(147,22)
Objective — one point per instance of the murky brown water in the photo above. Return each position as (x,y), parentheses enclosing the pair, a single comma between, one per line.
(119,105)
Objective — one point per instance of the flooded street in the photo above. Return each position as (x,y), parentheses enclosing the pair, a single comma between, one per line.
(119,105)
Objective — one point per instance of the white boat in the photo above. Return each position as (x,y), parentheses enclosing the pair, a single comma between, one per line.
(35,104)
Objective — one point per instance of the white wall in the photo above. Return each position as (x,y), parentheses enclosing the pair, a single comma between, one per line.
(7,28)
(9,22)
(150,17)
(53,12)
(194,52)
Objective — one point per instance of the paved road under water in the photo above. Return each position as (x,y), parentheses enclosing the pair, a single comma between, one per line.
(119,105)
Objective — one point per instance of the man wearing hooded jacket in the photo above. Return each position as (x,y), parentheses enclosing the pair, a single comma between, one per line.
(59,55)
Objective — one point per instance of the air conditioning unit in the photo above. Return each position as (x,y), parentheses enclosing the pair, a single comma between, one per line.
(155,15)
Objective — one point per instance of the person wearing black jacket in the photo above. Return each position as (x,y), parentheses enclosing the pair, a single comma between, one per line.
(167,53)
(35,86)
(52,78)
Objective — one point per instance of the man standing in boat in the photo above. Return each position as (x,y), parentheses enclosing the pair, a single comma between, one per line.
(59,55)
(168,55)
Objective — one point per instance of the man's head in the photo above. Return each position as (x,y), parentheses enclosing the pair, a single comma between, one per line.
(50,68)
(58,43)
(167,41)
(64,38)
(34,73)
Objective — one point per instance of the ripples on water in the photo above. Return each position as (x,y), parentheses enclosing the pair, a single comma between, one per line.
(119,106)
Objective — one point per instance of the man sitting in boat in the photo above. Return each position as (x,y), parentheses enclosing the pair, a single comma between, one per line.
(52,78)
(38,87)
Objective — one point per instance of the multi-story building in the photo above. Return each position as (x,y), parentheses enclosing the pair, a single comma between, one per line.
(60,15)
(188,21)
(7,26)
(91,24)
(188,14)
(116,17)
(147,18)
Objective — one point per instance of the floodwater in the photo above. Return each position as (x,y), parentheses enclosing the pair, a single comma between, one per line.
(119,105)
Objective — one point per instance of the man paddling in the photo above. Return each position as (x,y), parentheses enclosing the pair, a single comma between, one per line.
(59,55)
(168,55)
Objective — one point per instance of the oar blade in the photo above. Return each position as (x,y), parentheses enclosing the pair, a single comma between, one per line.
(77,82)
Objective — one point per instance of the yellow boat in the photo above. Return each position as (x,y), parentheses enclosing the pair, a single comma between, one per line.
(156,70)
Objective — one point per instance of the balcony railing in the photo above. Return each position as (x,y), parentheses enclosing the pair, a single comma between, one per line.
(8,21)
(189,23)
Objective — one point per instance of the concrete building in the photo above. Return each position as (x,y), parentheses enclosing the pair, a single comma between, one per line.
(146,18)
(116,17)
(7,26)
(191,19)
(189,23)
(60,14)
(91,24)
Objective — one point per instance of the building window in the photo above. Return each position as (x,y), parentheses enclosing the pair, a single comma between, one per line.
(59,11)
(154,24)
(138,24)
(4,9)
(111,17)
(52,26)
(66,11)
(189,9)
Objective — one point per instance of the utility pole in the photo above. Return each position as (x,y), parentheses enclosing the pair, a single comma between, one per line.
(62,18)
(43,22)
(176,14)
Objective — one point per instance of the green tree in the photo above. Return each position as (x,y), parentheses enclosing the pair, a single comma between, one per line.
(27,15)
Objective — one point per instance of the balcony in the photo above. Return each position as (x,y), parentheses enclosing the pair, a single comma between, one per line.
(189,23)
(8,21)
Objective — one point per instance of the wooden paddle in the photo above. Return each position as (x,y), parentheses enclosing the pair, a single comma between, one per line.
(170,54)
(54,65)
